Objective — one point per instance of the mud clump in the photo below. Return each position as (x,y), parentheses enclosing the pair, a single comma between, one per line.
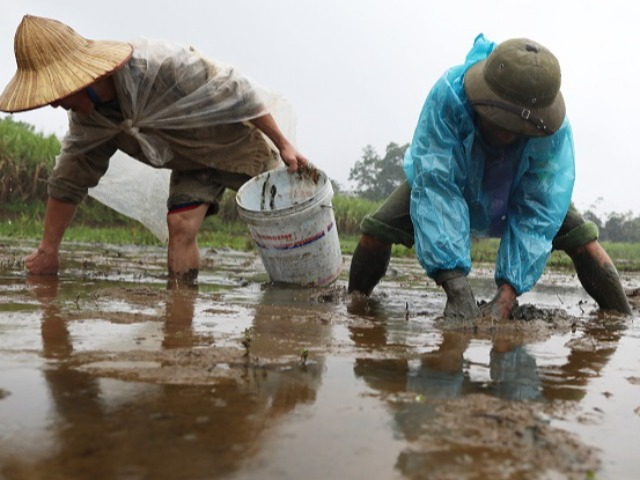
(309,172)
(634,298)
(528,313)
(333,294)
(519,433)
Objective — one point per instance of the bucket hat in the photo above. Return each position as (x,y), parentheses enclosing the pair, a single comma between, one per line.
(517,87)
(54,61)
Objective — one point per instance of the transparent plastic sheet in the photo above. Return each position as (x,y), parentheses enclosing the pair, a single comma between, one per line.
(200,92)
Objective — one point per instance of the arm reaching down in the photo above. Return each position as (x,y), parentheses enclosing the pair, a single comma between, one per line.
(58,216)
(289,154)
(502,305)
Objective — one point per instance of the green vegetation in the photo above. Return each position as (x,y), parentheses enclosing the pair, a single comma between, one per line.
(96,223)
(227,230)
(375,176)
(27,157)
(625,255)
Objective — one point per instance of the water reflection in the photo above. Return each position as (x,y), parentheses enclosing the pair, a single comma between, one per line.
(75,395)
(178,318)
(587,358)
(444,373)
(106,428)
(56,342)
(417,387)
(373,398)
(508,368)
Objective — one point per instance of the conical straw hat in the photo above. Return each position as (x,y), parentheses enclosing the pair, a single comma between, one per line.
(54,61)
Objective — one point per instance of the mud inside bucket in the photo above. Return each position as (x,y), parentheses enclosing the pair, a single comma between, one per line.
(291,221)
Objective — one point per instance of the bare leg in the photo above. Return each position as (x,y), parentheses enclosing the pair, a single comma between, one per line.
(599,276)
(183,253)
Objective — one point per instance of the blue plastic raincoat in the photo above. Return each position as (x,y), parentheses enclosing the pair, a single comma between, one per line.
(452,198)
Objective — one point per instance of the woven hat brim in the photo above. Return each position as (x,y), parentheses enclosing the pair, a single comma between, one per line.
(477,89)
(33,88)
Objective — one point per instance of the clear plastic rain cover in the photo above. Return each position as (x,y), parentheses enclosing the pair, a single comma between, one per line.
(211,93)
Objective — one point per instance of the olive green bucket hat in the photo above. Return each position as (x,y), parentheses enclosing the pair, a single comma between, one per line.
(517,87)
(54,61)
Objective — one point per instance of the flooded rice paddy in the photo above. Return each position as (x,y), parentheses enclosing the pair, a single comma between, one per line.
(109,372)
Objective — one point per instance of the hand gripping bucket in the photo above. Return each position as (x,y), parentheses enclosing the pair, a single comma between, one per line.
(291,221)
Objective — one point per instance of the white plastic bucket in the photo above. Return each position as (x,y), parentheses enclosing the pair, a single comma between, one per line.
(291,221)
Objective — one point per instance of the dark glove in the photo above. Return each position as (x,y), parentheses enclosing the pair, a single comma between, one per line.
(460,300)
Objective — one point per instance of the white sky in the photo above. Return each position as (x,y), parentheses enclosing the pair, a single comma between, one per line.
(358,71)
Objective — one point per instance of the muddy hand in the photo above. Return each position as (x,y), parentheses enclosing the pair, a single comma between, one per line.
(460,300)
(292,158)
(502,304)
(41,262)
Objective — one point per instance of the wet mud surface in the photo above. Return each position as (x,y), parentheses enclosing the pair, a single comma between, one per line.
(109,372)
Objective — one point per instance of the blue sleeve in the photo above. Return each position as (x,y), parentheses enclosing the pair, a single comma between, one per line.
(538,205)
(437,165)
(450,81)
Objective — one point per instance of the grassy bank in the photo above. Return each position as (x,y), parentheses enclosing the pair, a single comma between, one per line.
(27,158)
(95,223)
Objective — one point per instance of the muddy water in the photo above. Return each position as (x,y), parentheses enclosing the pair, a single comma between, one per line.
(108,372)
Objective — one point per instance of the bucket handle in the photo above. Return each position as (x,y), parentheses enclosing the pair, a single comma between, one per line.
(327,206)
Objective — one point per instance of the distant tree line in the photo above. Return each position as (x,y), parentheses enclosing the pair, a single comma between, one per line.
(616,227)
(376,176)
(27,158)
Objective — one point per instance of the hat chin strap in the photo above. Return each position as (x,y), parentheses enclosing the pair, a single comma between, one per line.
(93,96)
(523,113)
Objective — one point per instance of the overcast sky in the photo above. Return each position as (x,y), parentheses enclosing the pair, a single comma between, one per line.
(357,71)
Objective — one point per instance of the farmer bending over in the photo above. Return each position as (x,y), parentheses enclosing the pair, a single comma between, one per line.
(492,155)
(165,105)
